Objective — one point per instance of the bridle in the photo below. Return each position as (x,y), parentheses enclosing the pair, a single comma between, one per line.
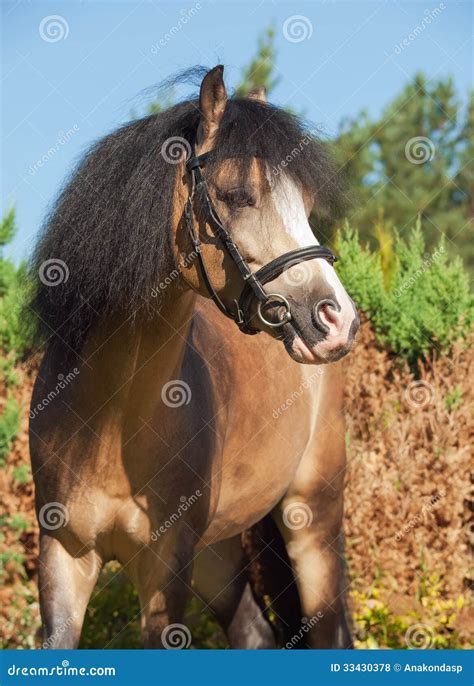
(253,282)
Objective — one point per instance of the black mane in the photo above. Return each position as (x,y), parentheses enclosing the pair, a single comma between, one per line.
(110,224)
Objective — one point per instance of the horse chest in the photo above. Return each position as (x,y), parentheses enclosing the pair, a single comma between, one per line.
(259,459)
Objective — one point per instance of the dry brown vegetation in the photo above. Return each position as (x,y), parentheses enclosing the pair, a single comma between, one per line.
(407,504)
(408,492)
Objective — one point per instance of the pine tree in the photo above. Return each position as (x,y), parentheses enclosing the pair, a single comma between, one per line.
(259,71)
(415,160)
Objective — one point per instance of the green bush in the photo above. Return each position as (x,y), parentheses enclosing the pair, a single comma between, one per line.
(423,307)
(9,425)
(14,338)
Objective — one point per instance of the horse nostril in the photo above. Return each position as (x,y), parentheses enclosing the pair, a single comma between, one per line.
(325,313)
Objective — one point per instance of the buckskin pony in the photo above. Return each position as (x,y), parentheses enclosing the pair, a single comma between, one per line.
(177,424)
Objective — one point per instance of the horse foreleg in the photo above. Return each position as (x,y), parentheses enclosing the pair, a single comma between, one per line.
(65,586)
(221,581)
(310,519)
(315,550)
(162,577)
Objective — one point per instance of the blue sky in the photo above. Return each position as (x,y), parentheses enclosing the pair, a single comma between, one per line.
(73,71)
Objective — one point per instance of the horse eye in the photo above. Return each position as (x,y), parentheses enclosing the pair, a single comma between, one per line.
(239,197)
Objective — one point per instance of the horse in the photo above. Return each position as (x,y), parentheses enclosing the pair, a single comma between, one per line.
(191,382)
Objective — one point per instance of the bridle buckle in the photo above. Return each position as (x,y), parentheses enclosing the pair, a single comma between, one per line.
(239,315)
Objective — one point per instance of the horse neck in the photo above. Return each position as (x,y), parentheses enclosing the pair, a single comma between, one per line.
(162,340)
(137,358)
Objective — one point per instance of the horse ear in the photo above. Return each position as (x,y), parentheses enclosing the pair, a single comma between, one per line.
(259,93)
(212,101)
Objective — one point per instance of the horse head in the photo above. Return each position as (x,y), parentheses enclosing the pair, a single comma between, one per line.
(253,180)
